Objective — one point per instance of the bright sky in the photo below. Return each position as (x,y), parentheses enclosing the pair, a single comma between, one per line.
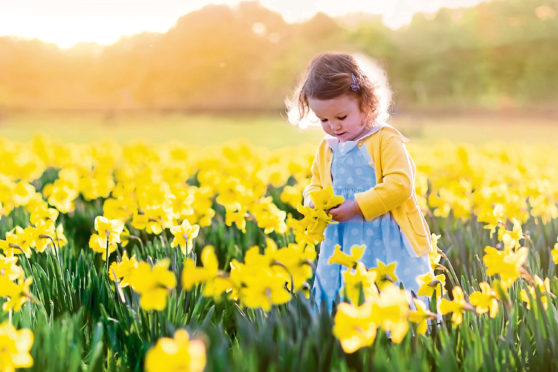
(66,22)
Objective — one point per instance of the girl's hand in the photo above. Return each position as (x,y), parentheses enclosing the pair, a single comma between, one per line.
(344,212)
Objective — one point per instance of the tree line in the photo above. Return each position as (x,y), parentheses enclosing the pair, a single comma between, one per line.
(501,53)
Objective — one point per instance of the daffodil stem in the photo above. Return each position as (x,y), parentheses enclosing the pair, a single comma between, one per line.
(25,258)
(54,248)
(107,253)
(133,237)
(451,270)
(277,263)
(117,288)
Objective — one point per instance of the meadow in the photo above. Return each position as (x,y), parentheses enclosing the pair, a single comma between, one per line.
(269,130)
(189,250)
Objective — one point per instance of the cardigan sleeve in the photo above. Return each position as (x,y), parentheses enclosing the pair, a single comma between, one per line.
(396,185)
(316,180)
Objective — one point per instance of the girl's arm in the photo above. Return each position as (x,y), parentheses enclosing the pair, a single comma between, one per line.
(397,179)
(320,159)
(315,183)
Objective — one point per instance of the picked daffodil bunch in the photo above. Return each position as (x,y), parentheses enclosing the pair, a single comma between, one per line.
(325,199)
(311,228)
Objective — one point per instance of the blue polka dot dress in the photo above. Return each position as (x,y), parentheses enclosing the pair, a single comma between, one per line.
(353,172)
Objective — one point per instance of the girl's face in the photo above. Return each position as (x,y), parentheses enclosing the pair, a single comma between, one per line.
(340,116)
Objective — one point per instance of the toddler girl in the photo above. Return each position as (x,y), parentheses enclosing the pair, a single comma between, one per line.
(366,162)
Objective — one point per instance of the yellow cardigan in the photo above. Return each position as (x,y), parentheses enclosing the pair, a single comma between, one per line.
(394,190)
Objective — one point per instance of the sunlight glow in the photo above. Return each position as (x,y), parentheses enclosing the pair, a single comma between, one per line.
(67,22)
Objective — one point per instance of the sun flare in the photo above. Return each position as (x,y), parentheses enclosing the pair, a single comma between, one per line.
(67,22)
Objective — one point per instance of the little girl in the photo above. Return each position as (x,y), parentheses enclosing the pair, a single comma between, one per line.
(366,162)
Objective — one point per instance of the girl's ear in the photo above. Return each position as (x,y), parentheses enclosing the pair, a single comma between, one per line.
(369,115)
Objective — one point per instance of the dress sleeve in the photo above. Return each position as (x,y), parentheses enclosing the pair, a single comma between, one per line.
(397,179)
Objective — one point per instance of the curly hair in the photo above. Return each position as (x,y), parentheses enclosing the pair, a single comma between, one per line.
(330,75)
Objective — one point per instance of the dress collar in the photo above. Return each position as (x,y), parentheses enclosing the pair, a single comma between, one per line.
(346,146)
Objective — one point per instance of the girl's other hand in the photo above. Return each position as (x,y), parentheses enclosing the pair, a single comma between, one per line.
(345,211)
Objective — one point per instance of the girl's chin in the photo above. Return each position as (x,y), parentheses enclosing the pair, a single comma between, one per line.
(344,137)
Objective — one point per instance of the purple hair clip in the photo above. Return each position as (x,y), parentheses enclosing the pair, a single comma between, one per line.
(354,86)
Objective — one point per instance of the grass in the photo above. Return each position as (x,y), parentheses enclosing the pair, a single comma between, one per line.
(271,131)
(81,324)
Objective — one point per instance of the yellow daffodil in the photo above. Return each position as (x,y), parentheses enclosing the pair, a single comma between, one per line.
(123,269)
(184,236)
(177,354)
(15,347)
(434,255)
(511,238)
(385,274)
(256,282)
(485,300)
(344,259)
(153,284)
(543,286)
(358,280)
(237,216)
(505,263)
(456,306)
(268,216)
(353,326)
(99,244)
(325,199)
(391,311)
(17,293)
(109,229)
(293,262)
(429,284)
(215,281)
(292,195)
(22,193)
(420,316)
(18,241)
(9,268)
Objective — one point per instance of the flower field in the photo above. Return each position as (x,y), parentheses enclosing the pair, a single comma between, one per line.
(180,258)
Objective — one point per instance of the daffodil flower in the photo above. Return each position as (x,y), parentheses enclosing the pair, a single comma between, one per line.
(457,306)
(505,263)
(385,274)
(485,300)
(15,347)
(325,199)
(153,284)
(184,235)
(341,258)
(420,316)
(176,354)
(353,326)
(429,284)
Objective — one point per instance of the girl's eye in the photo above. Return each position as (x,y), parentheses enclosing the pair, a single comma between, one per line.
(324,120)
(342,117)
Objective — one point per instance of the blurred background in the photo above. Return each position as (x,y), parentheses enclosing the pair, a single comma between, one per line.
(216,71)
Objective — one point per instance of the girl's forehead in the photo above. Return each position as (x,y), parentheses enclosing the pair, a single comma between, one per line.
(333,106)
